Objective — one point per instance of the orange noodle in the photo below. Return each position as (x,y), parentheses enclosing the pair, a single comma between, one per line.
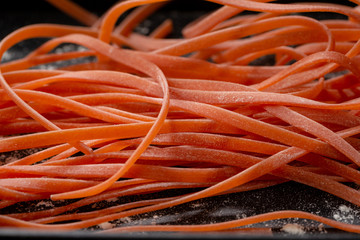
(241,102)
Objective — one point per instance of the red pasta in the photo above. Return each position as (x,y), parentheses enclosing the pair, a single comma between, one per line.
(144,115)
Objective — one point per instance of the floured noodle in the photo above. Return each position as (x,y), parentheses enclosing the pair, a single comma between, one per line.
(150,114)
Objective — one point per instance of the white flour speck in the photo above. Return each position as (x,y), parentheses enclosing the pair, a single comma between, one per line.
(106,225)
(345,214)
(293,229)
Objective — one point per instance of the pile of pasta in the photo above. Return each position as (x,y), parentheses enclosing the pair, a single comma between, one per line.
(147,113)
